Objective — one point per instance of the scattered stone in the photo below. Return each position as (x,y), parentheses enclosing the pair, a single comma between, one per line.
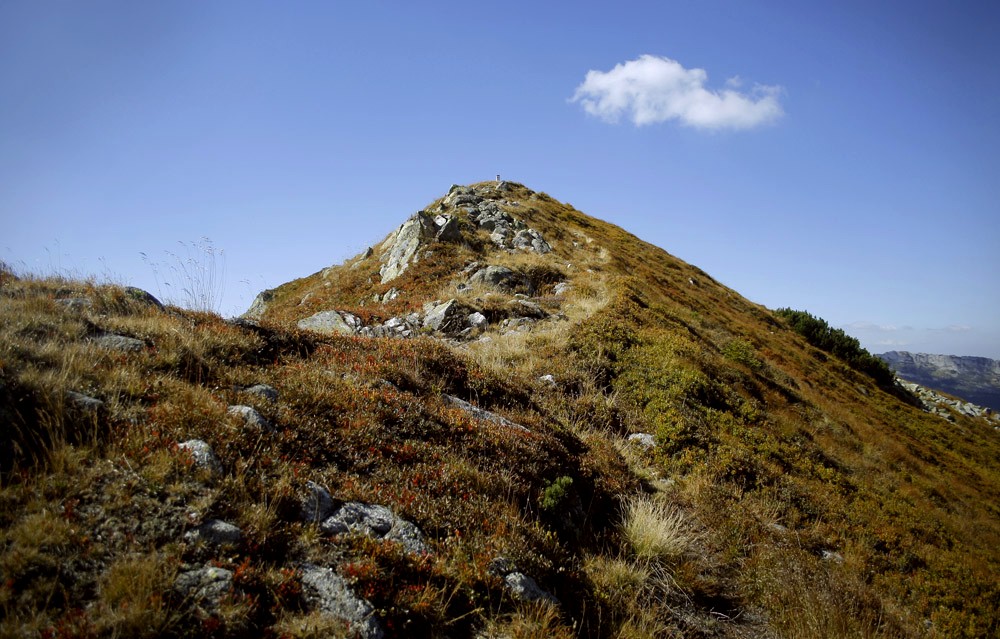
(142,296)
(115,342)
(331,322)
(477,320)
(76,303)
(326,591)
(562,288)
(215,532)
(264,391)
(829,555)
(203,455)
(524,588)
(206,586)
(375,521)
(83,402)
(479,413)
(778,528)
(645,440)
(317,504)
(250,417)
(549,380)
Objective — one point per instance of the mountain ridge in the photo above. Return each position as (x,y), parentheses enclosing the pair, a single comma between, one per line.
(976,379)
(507,419)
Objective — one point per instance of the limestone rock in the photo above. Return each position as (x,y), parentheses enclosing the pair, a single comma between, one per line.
(203,455)
(331,322)
(402,246)
(326,591)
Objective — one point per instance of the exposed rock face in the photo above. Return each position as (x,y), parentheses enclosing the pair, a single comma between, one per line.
(525,588)
(976,379)
(401,247)
(259,305)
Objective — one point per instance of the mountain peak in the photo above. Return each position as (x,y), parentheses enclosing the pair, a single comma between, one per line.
(506,418)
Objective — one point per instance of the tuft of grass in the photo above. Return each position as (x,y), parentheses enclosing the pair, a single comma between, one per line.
(656,529)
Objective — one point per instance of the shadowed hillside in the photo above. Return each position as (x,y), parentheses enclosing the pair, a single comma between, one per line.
(508,419)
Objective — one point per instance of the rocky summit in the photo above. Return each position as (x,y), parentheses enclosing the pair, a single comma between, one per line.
(506,419)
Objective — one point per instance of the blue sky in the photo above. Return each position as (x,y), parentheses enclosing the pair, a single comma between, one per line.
(840,159)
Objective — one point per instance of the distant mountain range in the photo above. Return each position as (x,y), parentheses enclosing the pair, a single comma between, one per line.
(976,379)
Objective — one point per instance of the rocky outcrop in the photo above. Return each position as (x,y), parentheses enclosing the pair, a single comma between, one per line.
(945,407)
(974,379)
(400,248)
(505,230)
(479,413)
(259,305)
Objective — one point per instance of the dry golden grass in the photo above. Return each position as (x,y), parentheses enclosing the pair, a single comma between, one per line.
(656,529)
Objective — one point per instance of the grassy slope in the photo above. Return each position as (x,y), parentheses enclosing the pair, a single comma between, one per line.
(787,495)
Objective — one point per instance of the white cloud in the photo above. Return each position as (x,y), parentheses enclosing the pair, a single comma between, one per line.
(654,89)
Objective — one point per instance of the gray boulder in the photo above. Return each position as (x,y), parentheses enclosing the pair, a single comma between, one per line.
(524,588)
(202,455)
(205,586)
(250,417)
(477,320)
(500,278)
(84,403)
(114,342)
(326,591)
(331,323)
(401,247)
(643,440)
(479,413)
(449,228)
(375,521)
(448,317)
(316,503)
(215,532)
(264,391)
